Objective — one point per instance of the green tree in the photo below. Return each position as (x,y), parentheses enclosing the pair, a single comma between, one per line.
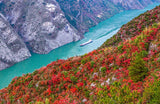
(137,70)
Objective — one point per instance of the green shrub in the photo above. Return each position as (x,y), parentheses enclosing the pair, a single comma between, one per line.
(92,63)
(156,70)
(38,102)
(30,85)
(103,69)
(65,73)
(116,95)
(144,53)
(155,25)
(87,92)
(120,48)
(73,79)
(137,70)
(146,46)
(47,101)
(151,94)
(83,61)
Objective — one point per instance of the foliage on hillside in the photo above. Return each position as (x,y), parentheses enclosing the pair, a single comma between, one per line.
(134,27)
(105,76)
(127,71)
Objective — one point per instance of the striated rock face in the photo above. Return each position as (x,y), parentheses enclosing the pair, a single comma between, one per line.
(40,23)
(12,48)
(84,14)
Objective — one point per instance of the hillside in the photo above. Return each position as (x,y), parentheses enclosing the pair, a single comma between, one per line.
(134,27)
(128,72)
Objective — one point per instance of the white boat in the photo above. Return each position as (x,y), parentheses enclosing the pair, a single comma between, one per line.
(90,41)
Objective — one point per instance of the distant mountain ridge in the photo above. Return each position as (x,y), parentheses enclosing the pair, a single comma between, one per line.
(43,25)
(83,14)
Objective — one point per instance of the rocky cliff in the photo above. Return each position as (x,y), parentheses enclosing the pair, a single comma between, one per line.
(40,23)
(12,47)
(84,14)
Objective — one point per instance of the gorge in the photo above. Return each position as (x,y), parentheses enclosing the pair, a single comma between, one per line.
(45,25)
(125,69)
(99,34)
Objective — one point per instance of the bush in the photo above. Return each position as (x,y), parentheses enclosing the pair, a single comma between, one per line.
(116,95)
(103,69)
(144,53)
(120,48)
(87,92)
(137,70)
(155,25)
(30,85)
(73,79)
(83,61)
(152,93)
(92,63)
(47,101)
(65,73)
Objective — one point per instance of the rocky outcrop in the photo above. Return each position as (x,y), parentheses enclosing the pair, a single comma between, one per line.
(12,48)
(84,14)
(41,24)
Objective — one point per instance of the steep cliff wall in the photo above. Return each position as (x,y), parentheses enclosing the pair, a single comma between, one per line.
(40,23)
(12,48)
(84,14)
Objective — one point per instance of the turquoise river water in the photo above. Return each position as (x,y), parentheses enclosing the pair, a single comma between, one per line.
(99,34)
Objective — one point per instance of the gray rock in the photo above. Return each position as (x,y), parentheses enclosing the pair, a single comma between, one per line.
(41,24)
(12,48)
(83,14)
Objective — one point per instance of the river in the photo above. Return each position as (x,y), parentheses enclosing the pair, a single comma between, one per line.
(99,34)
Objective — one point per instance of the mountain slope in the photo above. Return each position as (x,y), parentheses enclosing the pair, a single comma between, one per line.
(41,24)
(12,47)
(83,14)
(134,27)
(132,4)
(126,73)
